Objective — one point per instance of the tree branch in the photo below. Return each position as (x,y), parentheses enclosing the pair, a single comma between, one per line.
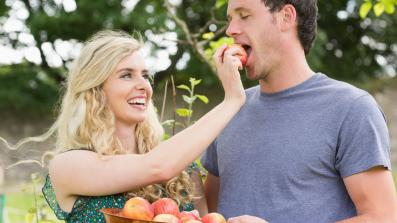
(192,41)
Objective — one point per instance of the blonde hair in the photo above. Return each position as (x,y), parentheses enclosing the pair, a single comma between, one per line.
(85,120)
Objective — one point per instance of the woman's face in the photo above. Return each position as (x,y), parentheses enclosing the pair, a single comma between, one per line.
(128,90)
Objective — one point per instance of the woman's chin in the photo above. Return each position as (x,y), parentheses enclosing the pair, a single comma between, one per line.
(138,119)
(131,120)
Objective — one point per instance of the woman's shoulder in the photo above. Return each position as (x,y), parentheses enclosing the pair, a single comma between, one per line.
(84,207)
(68,159)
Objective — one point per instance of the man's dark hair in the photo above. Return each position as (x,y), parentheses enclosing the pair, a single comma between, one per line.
(306,11)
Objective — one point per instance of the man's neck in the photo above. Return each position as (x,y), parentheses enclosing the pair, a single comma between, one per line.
(292,70)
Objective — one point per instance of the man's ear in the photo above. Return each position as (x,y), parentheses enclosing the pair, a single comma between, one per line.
(288,17)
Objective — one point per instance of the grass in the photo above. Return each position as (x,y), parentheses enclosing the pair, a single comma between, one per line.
(24,206)
(21,208)
(17,206)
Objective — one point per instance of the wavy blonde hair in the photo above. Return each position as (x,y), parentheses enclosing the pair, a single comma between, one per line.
(85,120)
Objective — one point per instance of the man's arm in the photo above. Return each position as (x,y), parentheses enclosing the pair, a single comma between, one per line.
(211,188)
(200,204)
(374,195)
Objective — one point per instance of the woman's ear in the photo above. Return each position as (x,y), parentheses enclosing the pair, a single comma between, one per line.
(288,17)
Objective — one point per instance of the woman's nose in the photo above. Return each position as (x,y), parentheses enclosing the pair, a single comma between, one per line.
(143,84)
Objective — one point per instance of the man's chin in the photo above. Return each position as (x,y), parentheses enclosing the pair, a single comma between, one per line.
(250,74)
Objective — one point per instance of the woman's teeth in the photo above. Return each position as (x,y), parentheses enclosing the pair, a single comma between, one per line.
(137,101)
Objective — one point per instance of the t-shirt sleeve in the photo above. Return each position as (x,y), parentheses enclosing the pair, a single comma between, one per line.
(209,160)
(363,140)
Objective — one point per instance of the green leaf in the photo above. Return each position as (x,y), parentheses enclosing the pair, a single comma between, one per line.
(203,98)
(220,3)
(208,35)
(166,136)
(194,82)
(379,8)
(183,112)
(32,210)
(188,100)
(365,8)
(390,9)
(29,218)
(168,122)
(182,86)
(389,6)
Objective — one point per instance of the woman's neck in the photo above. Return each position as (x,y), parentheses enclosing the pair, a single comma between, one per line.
(125,133)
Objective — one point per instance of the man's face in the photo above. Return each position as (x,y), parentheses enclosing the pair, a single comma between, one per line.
(252,25)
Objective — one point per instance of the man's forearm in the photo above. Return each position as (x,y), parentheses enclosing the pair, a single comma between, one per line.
(367,218)
(357,219)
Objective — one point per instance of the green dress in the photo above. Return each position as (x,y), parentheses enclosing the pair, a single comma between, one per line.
(86,208)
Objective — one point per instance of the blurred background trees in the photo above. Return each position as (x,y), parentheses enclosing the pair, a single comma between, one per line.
(39,39)
(356,42)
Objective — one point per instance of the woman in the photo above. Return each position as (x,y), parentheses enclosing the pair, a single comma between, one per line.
(108,134)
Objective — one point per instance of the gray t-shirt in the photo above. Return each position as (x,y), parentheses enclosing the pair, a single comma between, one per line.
(283,157)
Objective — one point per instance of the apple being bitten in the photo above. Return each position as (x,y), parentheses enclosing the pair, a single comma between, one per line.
(213,218)
(165,206)
(138,208)
(167,218)
(241,54)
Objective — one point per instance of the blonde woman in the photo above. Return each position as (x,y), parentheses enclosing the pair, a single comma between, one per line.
(108,134)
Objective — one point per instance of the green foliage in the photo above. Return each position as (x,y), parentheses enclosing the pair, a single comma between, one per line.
(26,88)
(379,7)
(30,204)
(213,45)
(186,113)
(3,8)
(346,48)
(220,3)
(190,99)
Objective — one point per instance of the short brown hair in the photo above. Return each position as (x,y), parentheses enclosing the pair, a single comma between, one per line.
(307,18)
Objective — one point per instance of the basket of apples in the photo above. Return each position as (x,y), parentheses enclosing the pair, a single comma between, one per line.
(164,210)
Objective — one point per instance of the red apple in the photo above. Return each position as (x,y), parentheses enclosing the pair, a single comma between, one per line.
(138,208)
(167,218)
(187,215)
(241,54)
(165,206)
(213,218)
(193,221)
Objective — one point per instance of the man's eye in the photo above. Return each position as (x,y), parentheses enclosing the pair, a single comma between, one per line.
(244,16)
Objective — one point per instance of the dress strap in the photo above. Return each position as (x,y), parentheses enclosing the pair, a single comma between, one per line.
(49,195)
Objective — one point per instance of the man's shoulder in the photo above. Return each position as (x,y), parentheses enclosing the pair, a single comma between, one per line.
(341,90)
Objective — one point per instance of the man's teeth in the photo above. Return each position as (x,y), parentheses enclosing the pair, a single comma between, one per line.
(137,101)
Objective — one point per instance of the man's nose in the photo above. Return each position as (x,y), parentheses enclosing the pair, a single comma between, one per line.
(233,29)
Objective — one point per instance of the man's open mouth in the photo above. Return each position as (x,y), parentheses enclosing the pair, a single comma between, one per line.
(247,49)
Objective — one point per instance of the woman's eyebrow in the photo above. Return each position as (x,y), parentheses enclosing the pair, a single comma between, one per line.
(124,69)
(144,71)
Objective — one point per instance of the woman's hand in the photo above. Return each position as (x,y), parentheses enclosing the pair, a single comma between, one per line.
(227,65)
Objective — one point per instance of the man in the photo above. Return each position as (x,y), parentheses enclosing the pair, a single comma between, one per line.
(305,147)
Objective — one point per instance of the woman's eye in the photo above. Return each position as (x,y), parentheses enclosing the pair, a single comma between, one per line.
(148,77)
(125,76)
